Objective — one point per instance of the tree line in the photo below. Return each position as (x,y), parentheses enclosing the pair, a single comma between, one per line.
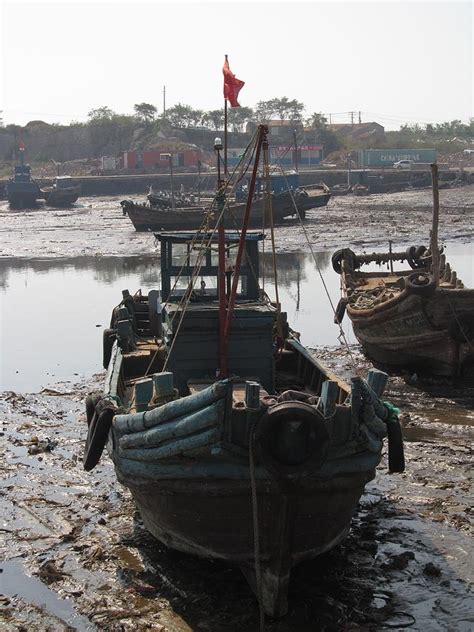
(184,116)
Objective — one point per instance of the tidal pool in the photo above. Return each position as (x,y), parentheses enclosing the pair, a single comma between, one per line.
(53,311)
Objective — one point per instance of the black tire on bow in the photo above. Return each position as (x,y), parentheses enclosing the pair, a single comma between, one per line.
(91,402)
(396,452)
(421,283)
(97,433)
(109,338)
(291,439)
(413,254)
(339,255)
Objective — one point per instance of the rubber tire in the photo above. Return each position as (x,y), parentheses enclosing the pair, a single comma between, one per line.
(97,433)
(108,340)
(290,411)
(340,311)
(426,289)
(396,452)
(339,255)
(413,258)
(91,402)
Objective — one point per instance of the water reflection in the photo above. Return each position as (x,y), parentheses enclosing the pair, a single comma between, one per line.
(53,311)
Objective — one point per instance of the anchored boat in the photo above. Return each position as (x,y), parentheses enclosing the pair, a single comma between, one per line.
(417,319)
(234,440)
(22,191)
(167,213)
(64,192)
(405,320)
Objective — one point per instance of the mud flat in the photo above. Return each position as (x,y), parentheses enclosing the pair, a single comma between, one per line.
(76,555)
(95,226)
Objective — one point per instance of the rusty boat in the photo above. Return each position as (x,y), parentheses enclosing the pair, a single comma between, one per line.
(407,320)
(235,441)
(286,205)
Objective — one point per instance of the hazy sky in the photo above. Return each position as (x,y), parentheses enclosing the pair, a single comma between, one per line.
(394,61)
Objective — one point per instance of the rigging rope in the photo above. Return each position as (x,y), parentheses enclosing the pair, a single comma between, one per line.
(341,330)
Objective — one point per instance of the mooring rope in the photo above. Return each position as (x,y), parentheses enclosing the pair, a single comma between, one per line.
(256,532)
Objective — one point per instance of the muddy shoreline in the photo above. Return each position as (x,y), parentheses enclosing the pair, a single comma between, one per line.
(405,563)
(75,553)
(95,226)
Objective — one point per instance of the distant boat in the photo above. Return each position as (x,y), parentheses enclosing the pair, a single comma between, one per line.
(22,191)
(64,192)
(147,218)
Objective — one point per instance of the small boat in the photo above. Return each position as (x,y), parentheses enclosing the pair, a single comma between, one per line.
(405,320)
(235,441)
(145,217)
(341,189)
(22,191)
(64,192)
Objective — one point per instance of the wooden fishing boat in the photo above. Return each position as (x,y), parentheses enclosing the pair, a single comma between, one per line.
(64,192)
(235,442)
(404,320)
(145,217)
(419,319)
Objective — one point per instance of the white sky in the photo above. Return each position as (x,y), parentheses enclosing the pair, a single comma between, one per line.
(394,61)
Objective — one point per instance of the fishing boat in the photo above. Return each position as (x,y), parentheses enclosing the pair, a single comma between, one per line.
(286,205)
(419,319)
(64,192)
(235,441)
(22,191)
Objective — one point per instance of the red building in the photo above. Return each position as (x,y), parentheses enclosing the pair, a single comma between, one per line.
(152,160)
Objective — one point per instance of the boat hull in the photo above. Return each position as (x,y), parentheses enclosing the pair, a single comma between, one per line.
(62,198)
(146,218)
(419,333)
(215,519)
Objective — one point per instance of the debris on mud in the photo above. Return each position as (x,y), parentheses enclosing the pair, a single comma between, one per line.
(78,537)
(95,226)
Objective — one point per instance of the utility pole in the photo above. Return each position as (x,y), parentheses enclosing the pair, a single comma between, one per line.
(330,119)
(352,118)
(360,117)
(164,100)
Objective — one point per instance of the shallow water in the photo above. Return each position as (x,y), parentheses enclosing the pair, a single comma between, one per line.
(53,311)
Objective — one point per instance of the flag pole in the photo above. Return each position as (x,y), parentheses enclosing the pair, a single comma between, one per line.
(225,135)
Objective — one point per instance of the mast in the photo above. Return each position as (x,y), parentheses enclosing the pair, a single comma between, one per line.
(261,138)
(435,223)
(220,201)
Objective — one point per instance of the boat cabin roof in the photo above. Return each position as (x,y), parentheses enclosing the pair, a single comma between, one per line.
(183,236)
(187,255)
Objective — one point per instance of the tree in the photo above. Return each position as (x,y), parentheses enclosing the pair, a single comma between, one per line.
(180,115)
(214,118)
(316,121)
(102,113)
(237,117)
(145,112)
(327,137)
(265,110)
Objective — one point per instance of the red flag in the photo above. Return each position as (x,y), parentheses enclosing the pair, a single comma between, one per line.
(232,85)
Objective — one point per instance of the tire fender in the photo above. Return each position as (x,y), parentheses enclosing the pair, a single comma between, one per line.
(109,338)
(98,432)
(421,283)
(291,439)
(396,452)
